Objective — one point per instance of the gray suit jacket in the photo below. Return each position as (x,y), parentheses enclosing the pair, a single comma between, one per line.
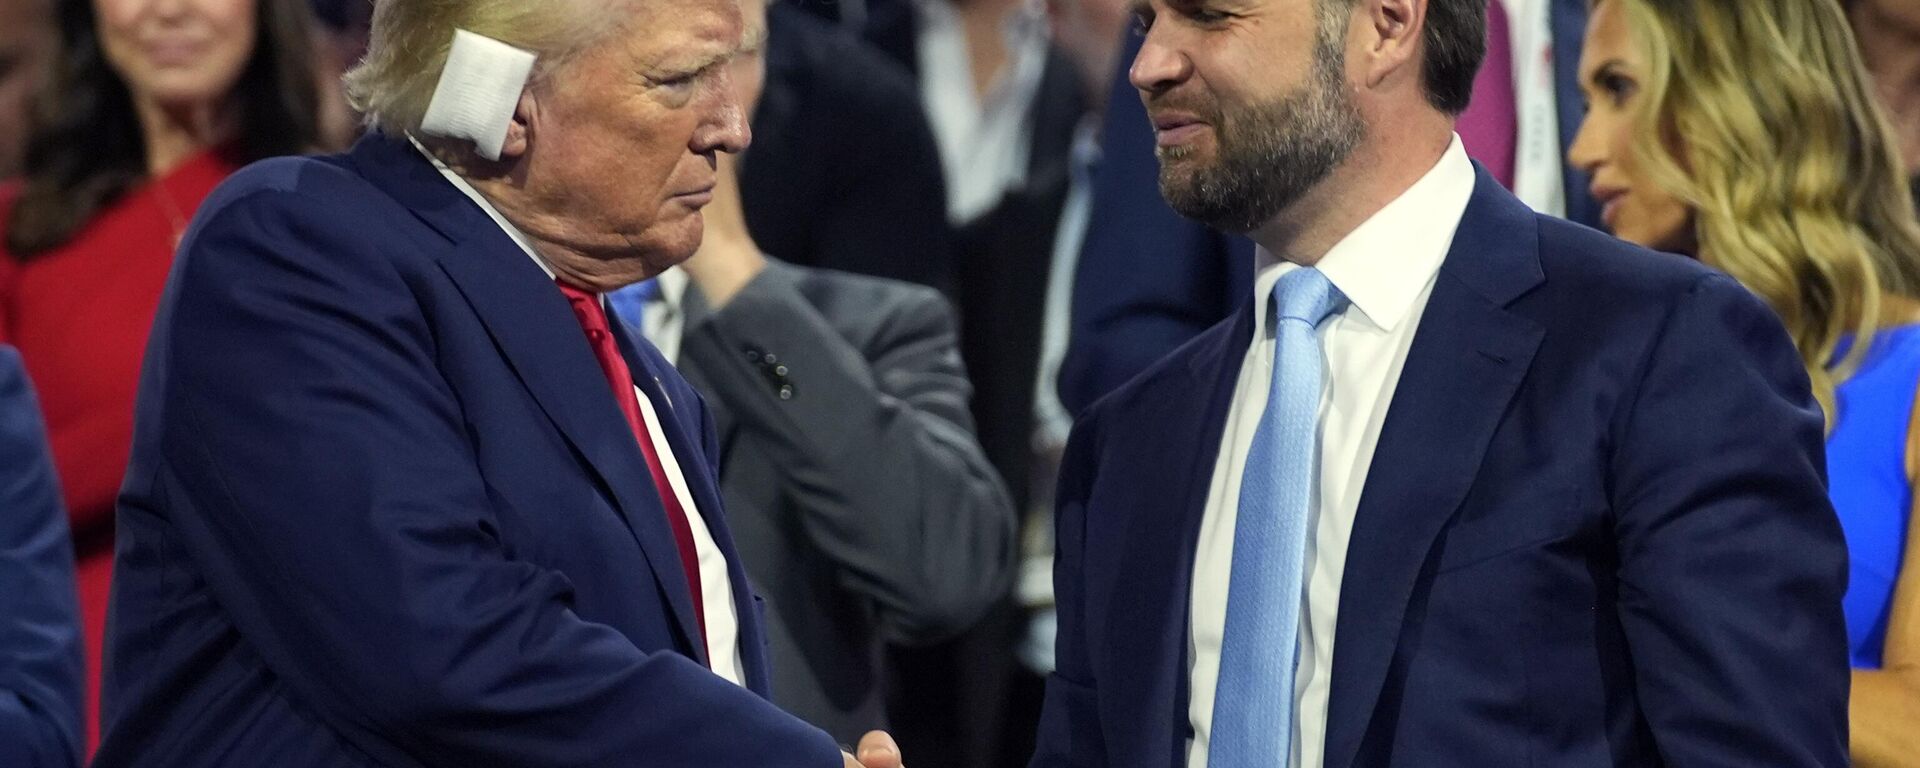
(860,498)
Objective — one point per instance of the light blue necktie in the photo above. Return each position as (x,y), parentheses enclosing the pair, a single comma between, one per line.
(1253,704)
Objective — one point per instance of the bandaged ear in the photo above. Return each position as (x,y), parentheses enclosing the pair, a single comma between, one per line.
(478,92)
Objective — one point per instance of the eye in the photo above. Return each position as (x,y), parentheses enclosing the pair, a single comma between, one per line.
(1206,16)
(1142,22)
(1618,87)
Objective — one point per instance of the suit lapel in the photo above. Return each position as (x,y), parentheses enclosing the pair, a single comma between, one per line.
(541,340)
(1466,363)
(1152,589)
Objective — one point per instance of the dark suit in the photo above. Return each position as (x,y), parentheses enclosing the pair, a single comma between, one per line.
(383,509)
(40,676)
(955,696)
(863,507)
(1151,280)
(1595,533)
(844,172)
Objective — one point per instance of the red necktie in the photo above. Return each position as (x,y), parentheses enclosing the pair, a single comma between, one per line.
(1490,127)
(593,320)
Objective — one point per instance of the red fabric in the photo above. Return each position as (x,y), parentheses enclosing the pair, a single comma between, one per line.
(1490,128)
(80,316)
(593,320)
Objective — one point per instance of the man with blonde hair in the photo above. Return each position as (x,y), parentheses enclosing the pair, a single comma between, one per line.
(400,494)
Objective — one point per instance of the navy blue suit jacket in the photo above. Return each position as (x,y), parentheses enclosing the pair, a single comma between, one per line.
(1150,280)
(382,509)
(1595,532)
(40,680)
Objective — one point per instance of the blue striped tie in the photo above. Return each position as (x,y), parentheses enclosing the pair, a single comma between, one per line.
(1253,704)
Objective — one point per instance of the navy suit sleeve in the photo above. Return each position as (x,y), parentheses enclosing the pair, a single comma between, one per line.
(1070,731)
(321,477)
(1732,563)
(40,689)
(1149,280)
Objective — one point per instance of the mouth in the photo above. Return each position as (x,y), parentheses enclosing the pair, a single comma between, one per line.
(174,52)
(1610,199)
(696,199)
(1172,129)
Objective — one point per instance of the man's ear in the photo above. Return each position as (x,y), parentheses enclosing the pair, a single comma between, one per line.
(1393,42)
(520,131)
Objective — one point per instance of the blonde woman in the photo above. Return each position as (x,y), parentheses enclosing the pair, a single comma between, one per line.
(1744,133)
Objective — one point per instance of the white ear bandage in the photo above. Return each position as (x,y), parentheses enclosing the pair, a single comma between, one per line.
(478,92)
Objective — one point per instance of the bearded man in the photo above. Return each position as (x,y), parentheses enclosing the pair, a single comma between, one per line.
(401,494)
(1460,485)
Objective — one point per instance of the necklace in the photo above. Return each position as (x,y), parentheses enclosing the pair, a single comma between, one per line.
(168,206)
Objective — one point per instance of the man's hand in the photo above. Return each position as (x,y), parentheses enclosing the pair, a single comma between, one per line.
(877,750)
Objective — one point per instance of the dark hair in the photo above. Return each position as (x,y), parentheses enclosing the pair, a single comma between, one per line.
(85,148)
(1456,39)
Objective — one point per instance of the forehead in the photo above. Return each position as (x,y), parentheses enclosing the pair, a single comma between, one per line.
(686,32)
(1609,37)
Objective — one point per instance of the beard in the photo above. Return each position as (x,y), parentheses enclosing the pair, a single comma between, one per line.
(1269,154)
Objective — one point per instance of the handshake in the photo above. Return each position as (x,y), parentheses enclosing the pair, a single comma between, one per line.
(876,750)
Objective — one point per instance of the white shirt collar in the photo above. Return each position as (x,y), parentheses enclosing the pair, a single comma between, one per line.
(519,238)
(1383,265)
(673,288)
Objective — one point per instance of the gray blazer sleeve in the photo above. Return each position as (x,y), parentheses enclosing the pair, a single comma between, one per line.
(872,434)
(40,700)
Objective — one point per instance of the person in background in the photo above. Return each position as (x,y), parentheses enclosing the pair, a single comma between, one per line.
(1777,167)
(1005,103)
(862,504)
(843,172)
(26,37)
(152,103)
(340,39)
(40,697)
(1889,35)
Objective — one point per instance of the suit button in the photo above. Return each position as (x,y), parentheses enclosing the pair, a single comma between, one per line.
(780,370)
(786,392)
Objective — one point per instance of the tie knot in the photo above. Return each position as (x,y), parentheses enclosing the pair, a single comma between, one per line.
(1305,294)
(586,308)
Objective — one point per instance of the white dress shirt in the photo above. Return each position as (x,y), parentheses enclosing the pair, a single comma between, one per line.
(664,318)
(716,586)
(1386,268)
(984,141)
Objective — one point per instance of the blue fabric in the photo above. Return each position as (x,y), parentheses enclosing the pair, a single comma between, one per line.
(629,304)
(1253,708)
(1148,280)
(1555,560)
(382,509)
(40,662)
(1866,467)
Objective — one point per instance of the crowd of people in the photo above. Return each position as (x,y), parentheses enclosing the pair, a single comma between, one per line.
(955,351)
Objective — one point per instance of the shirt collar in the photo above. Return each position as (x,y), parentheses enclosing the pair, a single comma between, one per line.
(673,288)
(1383,265)
(519,238)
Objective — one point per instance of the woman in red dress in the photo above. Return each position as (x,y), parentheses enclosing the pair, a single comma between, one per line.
(151,104)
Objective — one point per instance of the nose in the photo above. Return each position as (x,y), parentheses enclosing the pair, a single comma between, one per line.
(1588,150)
(1159,66)
(725,128)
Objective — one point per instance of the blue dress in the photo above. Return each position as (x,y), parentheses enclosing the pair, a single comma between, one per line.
(1866,469)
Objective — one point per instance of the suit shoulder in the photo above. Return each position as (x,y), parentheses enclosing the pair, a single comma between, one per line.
(1586,267)
(309,186)
(1184,372)
(840,295)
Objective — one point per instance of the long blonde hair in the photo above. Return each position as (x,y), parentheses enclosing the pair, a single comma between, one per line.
(1769,130)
